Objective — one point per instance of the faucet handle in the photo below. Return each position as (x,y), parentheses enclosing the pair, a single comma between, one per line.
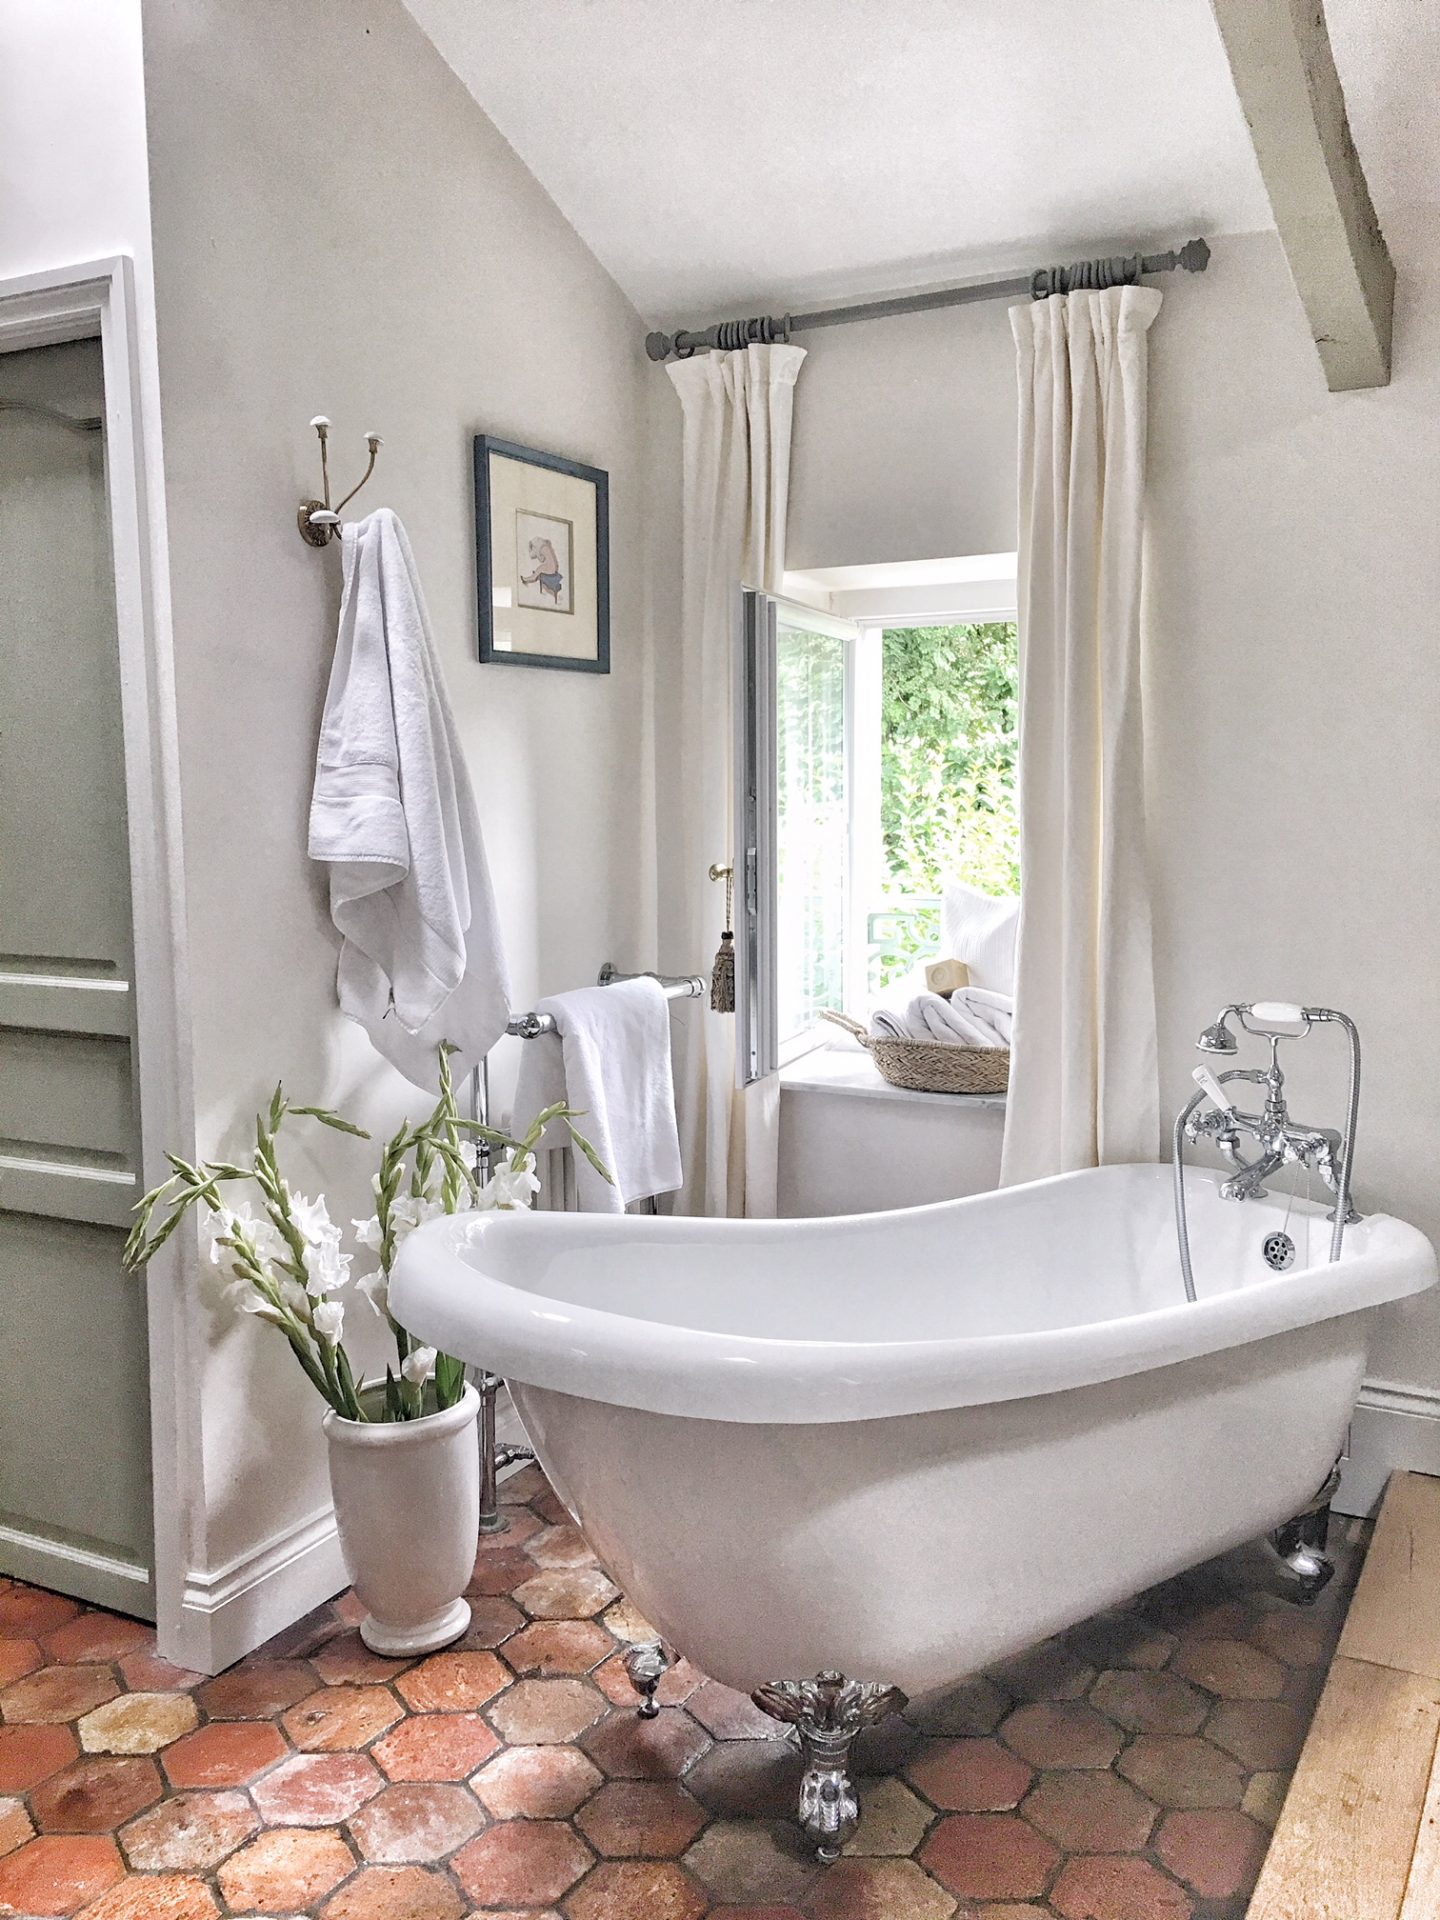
(1203,1077)
(1278,1013)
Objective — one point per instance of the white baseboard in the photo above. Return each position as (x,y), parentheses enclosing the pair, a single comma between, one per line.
(1393,1427)
(228,1611)
(88,1573)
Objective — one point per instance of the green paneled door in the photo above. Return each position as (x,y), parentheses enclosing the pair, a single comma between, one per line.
(75,1508)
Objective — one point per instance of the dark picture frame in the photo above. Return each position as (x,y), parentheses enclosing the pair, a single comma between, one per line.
(552,606)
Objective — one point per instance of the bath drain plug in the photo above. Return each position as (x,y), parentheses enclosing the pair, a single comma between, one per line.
(1279,1251)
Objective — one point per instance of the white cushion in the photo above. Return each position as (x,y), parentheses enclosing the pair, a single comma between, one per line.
(980,929)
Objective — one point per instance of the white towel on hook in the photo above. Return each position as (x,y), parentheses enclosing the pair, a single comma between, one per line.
(393,816)
(610,1060)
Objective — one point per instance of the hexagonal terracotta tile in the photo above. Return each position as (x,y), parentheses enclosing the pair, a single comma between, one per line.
(147,1673)
(893,1820)
(193,1830)
(525,1863)
(548,1647)
(1177,1770)
(58,1873)
(1264,1735)
(418,1821)
(340,1717)
(317,1789)
(1265,1796)
(436,1746)
(256,1689)
(624,1890)
(1097,1887)
(560,1546)
(102,1637)
(397,1893)
(492,1621)
(1065,1733)
(970,1776)
(536,1783)
(1149,1702)
(227,1753)
(138,1723)
(748,1779)
(862,1889)
(733,1716)
(1121,1640)
(627,1818)
(1051,1671)
(1232,1668)
(500,1573)
(161,1897)
(55,1694)
(347,1661)
(1090,1812)
(451,1682)
(15,1827)
(1216,1852)
(625,1620)
(18,1657)
(1288,1635)
(520,1524)
(546,1712)
(30,1754)
(96,1796)
(629,1748)
(744,1862)
(28,1613)
(974,1706)
(565,1593)
(285,1871)
(989,1856)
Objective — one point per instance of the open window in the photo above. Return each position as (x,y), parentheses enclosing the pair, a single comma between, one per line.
(875,763)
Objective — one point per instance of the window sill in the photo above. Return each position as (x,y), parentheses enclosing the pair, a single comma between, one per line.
(854,1074)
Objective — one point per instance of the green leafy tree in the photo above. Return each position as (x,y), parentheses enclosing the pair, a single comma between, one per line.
(949,723)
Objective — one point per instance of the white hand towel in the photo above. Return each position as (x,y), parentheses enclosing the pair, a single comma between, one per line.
(393,816)
(934,1018)
(611,1061)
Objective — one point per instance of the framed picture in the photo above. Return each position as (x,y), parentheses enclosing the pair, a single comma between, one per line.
(542,558)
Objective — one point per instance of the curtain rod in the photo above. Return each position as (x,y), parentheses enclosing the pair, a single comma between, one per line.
(1119,270)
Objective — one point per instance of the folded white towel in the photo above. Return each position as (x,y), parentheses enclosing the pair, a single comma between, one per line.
(611,1061)
(394,817)
(971,1017)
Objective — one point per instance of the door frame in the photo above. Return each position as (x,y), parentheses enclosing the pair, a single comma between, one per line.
(89,300)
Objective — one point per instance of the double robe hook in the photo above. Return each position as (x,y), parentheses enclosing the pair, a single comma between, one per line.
(318,521)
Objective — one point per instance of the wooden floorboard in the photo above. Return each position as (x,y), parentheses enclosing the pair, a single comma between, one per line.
(1359,1835)
(1394,1619)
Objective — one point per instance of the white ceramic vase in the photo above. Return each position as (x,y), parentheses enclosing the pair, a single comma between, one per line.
(407,1506)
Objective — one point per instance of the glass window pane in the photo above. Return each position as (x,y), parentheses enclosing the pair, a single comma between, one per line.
(813,825)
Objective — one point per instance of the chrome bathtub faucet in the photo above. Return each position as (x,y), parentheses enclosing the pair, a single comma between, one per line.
(1281,1141)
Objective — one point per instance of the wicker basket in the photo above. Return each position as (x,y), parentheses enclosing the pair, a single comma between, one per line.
(932,1066)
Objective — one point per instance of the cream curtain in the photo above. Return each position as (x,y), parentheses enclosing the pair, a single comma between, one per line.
(737,413)
(1084,1087)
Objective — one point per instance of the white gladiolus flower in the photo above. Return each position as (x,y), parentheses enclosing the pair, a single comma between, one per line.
(376,1291)
(243,1297)
(326,1267)
(329,1319)
(368,1234)
(312,1217)
(419,1366)
(226,1223)
(514,1185)
(407,1213)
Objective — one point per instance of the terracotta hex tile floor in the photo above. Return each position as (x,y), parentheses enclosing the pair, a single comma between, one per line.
(1132,1768)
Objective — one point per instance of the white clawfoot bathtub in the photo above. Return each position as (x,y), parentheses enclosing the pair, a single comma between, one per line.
(904,1445)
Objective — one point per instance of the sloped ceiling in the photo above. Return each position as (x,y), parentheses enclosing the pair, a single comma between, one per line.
(740,154)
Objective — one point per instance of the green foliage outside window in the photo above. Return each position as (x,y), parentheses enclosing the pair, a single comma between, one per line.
(950,719)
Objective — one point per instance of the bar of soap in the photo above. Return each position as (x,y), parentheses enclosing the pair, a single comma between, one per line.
(947,976)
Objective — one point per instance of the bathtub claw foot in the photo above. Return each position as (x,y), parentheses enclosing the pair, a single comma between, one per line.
(827,1712)
(647,1665)
(1301,1544)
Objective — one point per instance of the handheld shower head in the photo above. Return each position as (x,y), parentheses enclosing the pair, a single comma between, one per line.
(1217,1038)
